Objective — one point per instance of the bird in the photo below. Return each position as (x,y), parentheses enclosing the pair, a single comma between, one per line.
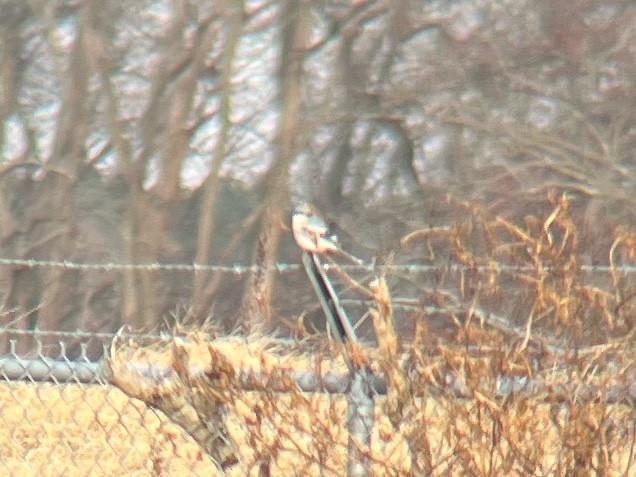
(312,233)
(313,237)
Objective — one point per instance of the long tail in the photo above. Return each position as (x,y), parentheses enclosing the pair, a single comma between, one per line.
(336,316)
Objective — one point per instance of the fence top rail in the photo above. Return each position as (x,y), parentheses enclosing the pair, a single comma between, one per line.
(42,369)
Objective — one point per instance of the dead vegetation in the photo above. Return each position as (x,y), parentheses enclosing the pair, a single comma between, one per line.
(553,395)
(447,416)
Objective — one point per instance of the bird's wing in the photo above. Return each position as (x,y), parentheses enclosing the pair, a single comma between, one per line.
(316,225)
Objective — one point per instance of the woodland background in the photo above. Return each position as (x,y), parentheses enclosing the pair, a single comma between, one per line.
(179,131)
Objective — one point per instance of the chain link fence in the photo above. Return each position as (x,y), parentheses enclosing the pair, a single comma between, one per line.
(197,403)
(60,416)
(126,414)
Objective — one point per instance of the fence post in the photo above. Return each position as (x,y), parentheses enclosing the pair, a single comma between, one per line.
(360,415)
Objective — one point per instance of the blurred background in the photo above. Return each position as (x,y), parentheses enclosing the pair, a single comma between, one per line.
(139,138)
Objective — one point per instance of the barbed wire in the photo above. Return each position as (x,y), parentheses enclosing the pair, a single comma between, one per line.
(287,267)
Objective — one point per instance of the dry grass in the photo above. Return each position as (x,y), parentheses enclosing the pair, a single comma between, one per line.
(572,425)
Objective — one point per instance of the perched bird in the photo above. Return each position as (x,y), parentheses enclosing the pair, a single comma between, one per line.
(312,234)
(313,237)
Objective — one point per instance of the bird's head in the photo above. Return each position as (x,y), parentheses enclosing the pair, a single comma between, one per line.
(304,208)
